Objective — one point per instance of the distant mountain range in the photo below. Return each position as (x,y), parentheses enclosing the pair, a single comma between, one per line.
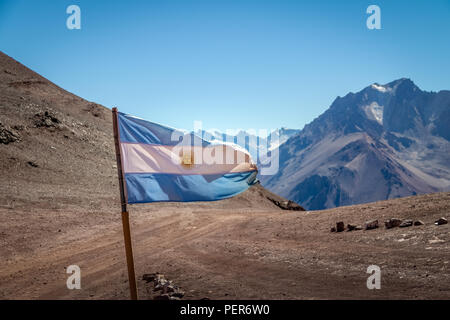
(251,141)
(384,142)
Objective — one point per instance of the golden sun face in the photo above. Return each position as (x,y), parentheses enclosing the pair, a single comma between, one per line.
(187,159)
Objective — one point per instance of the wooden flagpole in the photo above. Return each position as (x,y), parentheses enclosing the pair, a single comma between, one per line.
(125,216)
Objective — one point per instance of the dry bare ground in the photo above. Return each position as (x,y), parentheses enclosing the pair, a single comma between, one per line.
(59,207)
(236,254)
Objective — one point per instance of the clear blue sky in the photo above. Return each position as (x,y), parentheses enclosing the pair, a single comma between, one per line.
(232,64)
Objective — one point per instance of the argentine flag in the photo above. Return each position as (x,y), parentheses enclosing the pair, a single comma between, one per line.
(166,164)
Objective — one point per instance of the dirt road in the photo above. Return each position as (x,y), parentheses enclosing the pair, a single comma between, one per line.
(233,254)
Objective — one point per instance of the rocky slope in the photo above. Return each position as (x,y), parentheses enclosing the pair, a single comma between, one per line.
(384,142)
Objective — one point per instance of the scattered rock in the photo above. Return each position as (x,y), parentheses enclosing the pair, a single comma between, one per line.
(333,229)
(435,240)
(441,221)
(8,135)
(340,226)
(26,83)
(287,205)
(168,290)
(46,119)
(9,72)
(418,223)
(372,224)
(392,223)
(291,205)
(149,277)
(18,127)
(352,227)
(94,109)
(406,223)
(178,294)
(32,164)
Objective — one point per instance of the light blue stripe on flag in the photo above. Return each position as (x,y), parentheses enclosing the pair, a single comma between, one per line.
(143,188)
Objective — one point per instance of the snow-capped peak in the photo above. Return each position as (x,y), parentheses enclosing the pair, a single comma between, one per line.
(380,88)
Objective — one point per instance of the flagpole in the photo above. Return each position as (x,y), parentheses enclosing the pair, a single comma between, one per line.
(125,216)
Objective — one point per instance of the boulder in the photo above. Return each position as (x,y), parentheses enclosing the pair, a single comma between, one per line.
(8,135)
(287,205)
(340,226)
(291,205)
(46,119)
(406,223)
(149,277)
(161,284)
(441,221)
(32,164)
(418,223)
(392,223)
(353,227)
(178,293)
(168,291)
(372,224)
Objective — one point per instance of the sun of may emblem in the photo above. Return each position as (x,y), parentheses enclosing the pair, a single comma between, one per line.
(187,159)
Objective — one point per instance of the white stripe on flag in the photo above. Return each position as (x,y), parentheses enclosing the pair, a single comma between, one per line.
(213,159)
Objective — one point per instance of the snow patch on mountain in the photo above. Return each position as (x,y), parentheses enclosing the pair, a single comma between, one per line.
(380,88)
(374,112)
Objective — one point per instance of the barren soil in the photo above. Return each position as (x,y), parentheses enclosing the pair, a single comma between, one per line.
(230,254)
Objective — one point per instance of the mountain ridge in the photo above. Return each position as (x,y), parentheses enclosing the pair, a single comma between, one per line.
(396,128)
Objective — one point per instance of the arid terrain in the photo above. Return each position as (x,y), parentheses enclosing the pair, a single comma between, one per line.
(59,206)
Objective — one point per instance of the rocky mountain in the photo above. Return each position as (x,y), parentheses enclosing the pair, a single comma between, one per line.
(386,141)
